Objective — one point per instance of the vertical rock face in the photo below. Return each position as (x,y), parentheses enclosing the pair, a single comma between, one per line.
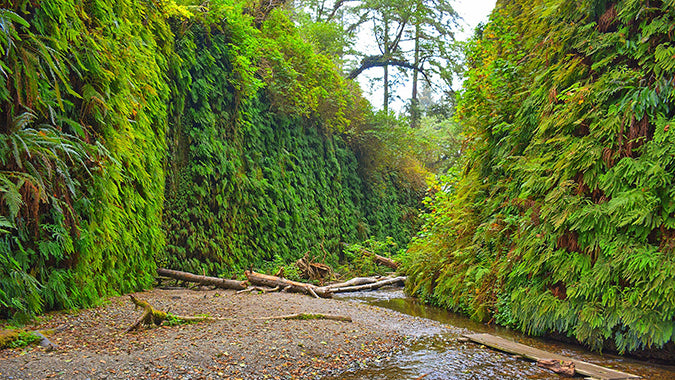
(562,221)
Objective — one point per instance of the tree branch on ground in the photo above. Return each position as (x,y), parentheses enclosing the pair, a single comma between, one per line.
(308,316)
(152,316)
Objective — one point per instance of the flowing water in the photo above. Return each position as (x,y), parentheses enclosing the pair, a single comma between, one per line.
(434,355)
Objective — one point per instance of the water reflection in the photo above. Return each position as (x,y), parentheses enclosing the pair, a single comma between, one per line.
(440,356)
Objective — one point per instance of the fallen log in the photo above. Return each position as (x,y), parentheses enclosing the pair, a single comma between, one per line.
(308,316)
(387,262)
(259,289)
(222,283)
(587,369)
(562,367)
(292,286)
(152,316)
(354,282)
(375,285)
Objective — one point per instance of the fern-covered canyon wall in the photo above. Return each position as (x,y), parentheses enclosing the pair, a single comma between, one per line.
(84,114)
(137,134)
(562,221)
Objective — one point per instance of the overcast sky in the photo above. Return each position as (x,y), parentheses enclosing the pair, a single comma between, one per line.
(472,12)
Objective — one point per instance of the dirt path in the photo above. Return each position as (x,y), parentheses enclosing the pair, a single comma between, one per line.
(92,344)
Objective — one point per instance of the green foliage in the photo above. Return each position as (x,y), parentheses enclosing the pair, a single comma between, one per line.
(249,187)
(17,338)
(204,138)
(290,270)
(359,257)
(82,143)
(301,82)
(562,219)
(275,190)
(23,339)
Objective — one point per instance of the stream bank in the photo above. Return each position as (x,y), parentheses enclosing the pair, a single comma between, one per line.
(437,356)
(391,337)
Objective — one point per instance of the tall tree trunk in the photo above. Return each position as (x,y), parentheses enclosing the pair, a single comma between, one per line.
(387,54)
(386,90)
(414,103)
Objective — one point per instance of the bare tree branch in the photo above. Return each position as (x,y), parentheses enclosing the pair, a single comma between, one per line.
(382,61)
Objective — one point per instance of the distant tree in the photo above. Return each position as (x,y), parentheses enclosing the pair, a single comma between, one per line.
(433,38)
(412,35)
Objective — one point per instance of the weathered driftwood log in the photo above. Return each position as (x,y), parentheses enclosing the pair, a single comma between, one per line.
(308,316)
(204,280)
(562,367)
(371,286)
(354,282)
(258,289)
(387,262)
(153,316)
(293,286)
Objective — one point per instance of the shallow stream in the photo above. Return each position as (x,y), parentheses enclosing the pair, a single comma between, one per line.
(435,355)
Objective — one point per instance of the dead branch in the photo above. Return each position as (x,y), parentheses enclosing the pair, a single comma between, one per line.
(379,259)
(313,270)
(382,61)
(152,316)
(312,292)
(387,262)
(293,286)
(308,316)
(354,282)
(259,289)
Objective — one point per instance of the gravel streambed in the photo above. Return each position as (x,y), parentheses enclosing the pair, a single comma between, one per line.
(92,343)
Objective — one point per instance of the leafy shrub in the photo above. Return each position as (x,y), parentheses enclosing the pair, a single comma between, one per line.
(359,257)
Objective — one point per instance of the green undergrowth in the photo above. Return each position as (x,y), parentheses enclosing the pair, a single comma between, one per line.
(359,257)
(263,177)
(17,338)
(562,220)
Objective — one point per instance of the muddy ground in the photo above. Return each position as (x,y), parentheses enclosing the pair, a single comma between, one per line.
(92,343)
